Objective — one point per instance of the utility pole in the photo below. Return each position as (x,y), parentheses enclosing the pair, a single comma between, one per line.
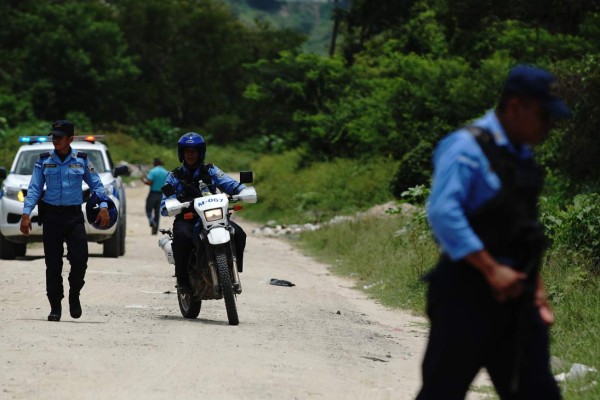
(336,25)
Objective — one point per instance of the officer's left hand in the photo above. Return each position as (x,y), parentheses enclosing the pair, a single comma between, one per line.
(103,218)
(541,301)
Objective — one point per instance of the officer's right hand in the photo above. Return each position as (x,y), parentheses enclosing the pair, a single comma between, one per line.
(25,225)
(506,282)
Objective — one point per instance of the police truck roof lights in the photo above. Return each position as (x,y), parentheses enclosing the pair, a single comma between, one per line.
(43,139)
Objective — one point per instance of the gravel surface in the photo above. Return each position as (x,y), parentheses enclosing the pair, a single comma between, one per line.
(320,339)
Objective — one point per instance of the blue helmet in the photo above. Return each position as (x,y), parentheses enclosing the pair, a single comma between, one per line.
(191,140)
(92,208)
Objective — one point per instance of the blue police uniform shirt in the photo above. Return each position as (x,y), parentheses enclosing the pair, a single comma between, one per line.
(157,176)
(63,180)
(462,182)
(222,181)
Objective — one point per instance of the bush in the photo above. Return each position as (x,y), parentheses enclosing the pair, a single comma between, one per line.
(158,131)
(415,169)
(577,229)
(291,193)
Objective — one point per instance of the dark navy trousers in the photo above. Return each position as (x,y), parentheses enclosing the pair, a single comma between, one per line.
(470,330)
(64,226)
(153,206)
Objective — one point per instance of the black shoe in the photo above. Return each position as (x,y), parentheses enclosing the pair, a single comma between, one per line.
(55,312)
(74,305)
(183,287)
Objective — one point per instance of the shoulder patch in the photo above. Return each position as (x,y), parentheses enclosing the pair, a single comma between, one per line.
(90,166)
(45,154)
(81,154)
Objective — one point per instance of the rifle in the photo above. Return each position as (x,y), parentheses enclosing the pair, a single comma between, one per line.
(535,243)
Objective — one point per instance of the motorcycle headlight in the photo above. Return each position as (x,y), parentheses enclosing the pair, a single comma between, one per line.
(213,214)
(14,193)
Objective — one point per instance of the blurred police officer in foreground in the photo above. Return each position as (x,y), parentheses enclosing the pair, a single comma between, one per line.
(194,179)
(62,171)
(486,300)
(155,178)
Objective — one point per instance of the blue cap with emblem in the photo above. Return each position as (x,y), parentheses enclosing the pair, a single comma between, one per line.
(62,127)
(537,83)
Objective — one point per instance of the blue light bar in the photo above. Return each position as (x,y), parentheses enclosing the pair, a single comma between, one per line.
(33,139)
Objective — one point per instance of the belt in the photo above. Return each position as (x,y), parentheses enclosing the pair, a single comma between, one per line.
(60,209)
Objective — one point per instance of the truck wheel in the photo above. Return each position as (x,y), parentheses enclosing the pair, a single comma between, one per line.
(20,249)
(112,245)
(7,249)
(122,238)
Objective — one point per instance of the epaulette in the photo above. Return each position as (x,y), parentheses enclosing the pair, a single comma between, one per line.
(45,154)
(81,154)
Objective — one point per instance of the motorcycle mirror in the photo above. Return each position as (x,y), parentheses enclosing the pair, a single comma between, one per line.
(246,177)
(168,189)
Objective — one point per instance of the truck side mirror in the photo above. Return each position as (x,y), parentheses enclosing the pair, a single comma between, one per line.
(2,173)
(246,177)
(168,189)
(121,170)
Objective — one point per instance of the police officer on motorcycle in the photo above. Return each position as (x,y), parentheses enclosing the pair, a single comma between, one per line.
(193,179)
(62,171)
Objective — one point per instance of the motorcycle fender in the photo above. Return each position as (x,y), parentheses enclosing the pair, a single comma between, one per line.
(218,236)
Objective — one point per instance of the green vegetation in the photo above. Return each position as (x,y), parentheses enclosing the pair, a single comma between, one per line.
(311,18)
(291,191)
(326,135)
(388,255)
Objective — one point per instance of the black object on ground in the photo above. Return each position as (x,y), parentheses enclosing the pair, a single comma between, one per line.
(281,282)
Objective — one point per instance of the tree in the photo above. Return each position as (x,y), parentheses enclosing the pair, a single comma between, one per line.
(72,57)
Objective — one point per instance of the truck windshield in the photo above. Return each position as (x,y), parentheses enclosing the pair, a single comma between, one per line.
(27,159)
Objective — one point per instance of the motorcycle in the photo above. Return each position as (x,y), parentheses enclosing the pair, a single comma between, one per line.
(212,267)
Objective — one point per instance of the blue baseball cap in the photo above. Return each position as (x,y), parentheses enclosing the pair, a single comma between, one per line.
(537,83)
(62,127)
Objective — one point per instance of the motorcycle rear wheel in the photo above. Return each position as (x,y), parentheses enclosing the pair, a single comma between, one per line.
(226,286)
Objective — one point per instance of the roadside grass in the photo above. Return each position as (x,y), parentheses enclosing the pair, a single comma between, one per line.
(386,262)
(386,257)
(289,191)
(574,292)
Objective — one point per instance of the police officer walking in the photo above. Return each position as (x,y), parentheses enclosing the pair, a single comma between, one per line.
(62,171)
(155,178)
(193,179)
(486,299)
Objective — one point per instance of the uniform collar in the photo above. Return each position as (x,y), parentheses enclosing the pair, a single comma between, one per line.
(491,123)
(72,154)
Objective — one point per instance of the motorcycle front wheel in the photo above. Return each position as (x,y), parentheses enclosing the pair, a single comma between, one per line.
(188,305)
(226,286)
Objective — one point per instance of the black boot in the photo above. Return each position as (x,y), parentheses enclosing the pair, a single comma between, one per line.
(74,305)
(183,286)
(55,310)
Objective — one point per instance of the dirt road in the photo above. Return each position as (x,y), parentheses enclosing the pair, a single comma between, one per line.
(318,340)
